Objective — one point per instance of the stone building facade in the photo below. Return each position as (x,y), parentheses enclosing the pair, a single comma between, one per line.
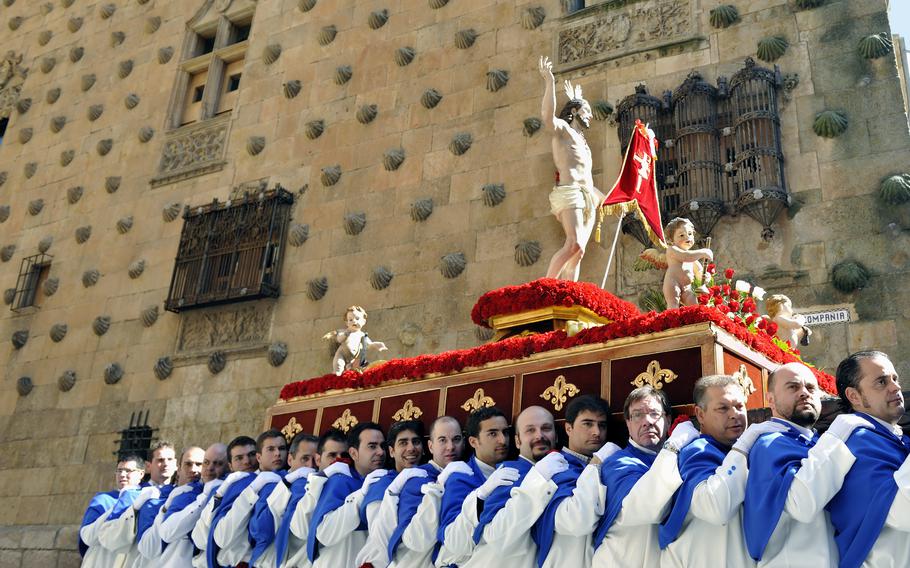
(413,181)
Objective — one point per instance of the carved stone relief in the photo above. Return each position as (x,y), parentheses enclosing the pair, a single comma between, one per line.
(617,29)
(192,151)
(225,328)
(12,75)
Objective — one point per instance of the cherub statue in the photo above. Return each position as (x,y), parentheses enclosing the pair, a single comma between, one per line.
(790,327)
(354,343)
(683,266)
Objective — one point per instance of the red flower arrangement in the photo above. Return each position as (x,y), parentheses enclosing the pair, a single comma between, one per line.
(547,292)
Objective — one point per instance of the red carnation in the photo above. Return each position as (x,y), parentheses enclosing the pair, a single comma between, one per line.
(750,319)
(679,420)
(734,305)
(762,323)
(728,273)
(711,268)
(771,328)
(703,299)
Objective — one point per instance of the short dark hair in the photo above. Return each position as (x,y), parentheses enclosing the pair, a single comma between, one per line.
(240,441)
(849,375)
(354,434)
(159,445)
(586,402)
(300,438)
(642,393)
(566,112)
(442,419)
(331,434)
(472,427)
(703,384)
(268,434)
(140,461)
(403,426)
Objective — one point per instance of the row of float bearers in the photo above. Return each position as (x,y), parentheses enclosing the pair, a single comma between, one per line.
(770,494)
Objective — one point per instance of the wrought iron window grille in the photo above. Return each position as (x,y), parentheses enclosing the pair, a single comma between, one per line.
(32,273)
(137,438)
(720,148)
(231,251)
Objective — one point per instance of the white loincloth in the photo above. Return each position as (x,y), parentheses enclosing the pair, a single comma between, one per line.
(572,197)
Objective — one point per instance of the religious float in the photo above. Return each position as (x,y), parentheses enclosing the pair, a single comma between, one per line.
(553,340)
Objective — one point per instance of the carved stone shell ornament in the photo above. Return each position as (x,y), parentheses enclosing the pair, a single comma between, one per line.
(170,211)
(772,48)
(314,129)
(808,4)
(422,209)
(377,19)
(217,361)
(278,352)
(125,68)
(25,135)
(465,38)
(452,264)
(15,22)
(67,380)
(76,53)
(404,55)
(895,190)
(7,252)
(48,64)
(724,16)
(875,46)
(131,100)
(83,233)
(531,125)
(24,386)
(30,170)
(343,74)
(292,88)
(19,338)
(461,143)
(112,183)
(113,373)
(306,5)
(125,224)
(146,133)
(35,206)
(533,17)
(9,295)
(327,35)
(354,223)
(94,112)
(44,244)
(367,113)
(255,145)
(316,288)
(67,157)
(497,79)
(493,194)
(271,53)
(152,24)
(107,11)
(830,123)
(136,269)
(430,98)
(4,213)
(101,324)
(165,54)
(437,4)
(74,194)
(23,104)
(298,234)
(393,159)
(45,37)
(380,278)
(74,24)
(58,332)
(104,146)
(57,123)
(163,368)
(90,277)
(149,316)
(3,176)
(50,286)
(53,95)
(87,81)
(601,110)
(117,38)
(330,175)
(849,276)
(46,8)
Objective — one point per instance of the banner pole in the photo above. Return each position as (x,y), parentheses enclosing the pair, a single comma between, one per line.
(603,283)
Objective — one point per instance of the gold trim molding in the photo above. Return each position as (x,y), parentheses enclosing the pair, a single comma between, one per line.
(478,401)
(654,376)
(559,392)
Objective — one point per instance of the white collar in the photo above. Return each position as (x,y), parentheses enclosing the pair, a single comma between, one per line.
(893,427)
(807,433)
(521,457)
(640,447)
(434,464)
(485,469)
(580,457)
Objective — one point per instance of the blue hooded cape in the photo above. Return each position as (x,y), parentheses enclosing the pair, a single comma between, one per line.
(283,534)
(773,462)
(408,501)
(375,493)
(860,508)
(619,474)
(498,498)
(457,488)
(697,462)
(184,500)
(261,527)
(124,502)
(221,509)
(545,528)
(335,491)
(145,516)
(100,503)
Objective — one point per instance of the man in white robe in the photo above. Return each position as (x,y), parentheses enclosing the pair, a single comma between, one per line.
(130,472)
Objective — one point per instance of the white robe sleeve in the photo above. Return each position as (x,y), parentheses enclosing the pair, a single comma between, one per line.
(340,523)
(648,501)
(381,526)
(300,522)
(717,499)
(235,523)
(819,478)
(277,502)
(458,543)
(578,514)
(899,514)
(179,524)
(525,505)
(201,529)
(150,543)
(119,533)
(420,535)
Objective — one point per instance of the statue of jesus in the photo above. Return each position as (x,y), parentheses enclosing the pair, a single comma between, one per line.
(574,199)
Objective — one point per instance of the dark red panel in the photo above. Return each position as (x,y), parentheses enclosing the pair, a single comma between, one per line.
(303,421)
(360,411)
(686,363)
(732,364)
(578,380)
(499,390)
(424,406)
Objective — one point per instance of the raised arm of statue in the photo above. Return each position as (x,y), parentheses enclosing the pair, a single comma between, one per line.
(548,105)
